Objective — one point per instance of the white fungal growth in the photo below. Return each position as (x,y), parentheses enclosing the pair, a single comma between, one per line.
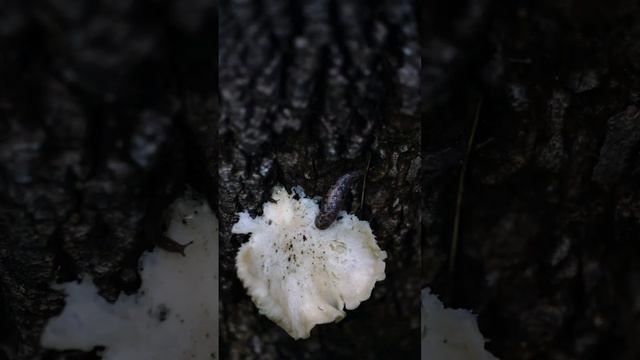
(450,334)
(174,315)
(299,276)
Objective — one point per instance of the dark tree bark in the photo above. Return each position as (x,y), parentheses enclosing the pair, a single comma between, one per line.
(309,91)
(107,113)
(549,222)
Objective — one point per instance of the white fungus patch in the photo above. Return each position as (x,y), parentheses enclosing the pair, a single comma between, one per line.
(450,334)
(174,315)
(299,276)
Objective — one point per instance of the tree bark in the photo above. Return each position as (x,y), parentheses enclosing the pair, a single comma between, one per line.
(107,112)
(309,91)
(549,221)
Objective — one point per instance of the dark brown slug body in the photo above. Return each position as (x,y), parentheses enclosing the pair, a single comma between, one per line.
(168,244)
(334,201)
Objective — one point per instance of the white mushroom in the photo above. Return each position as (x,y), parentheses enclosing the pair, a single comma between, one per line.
(174,315)
(299,276)
(450,334)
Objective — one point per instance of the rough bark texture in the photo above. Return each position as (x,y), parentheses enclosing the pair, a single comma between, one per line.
(107,112)
(550,218)
(309,91)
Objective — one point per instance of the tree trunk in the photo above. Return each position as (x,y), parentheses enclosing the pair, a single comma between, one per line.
(107,112)
(549,221)
(526,167)
(311,90)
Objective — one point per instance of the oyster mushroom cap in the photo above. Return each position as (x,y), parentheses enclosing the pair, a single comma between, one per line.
(174,314)
(299,276)
(451,334)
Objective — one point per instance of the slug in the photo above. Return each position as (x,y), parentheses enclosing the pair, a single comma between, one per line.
(334,201)
(168,244)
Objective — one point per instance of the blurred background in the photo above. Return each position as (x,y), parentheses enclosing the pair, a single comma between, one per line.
(107,112)
(549,222)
